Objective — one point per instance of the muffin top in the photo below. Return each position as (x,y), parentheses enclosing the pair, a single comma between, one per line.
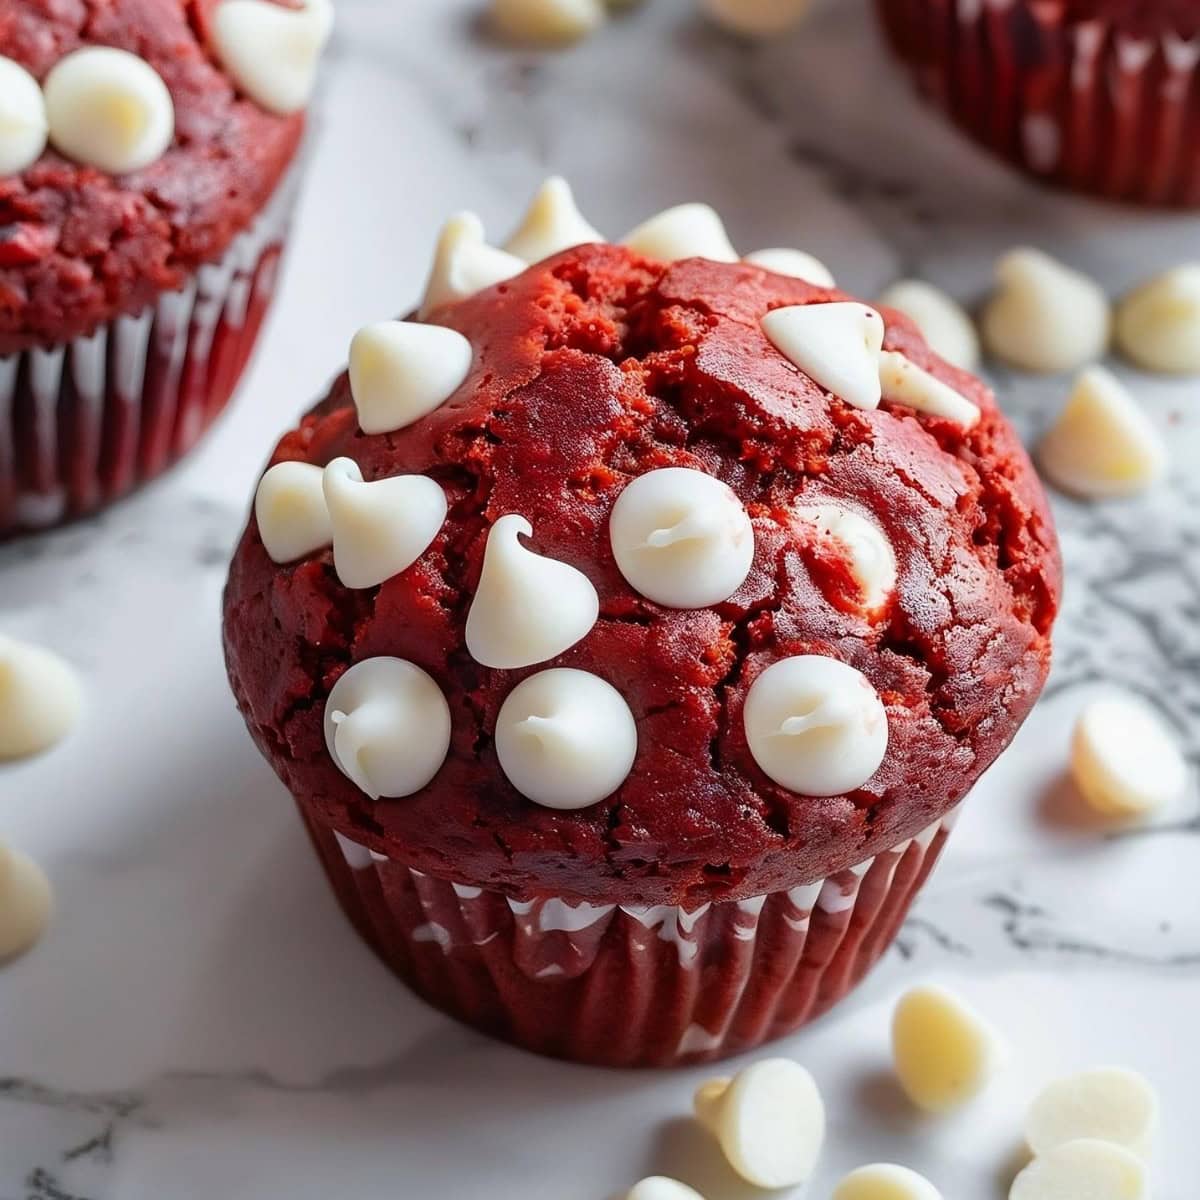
(81,244)
(912,551)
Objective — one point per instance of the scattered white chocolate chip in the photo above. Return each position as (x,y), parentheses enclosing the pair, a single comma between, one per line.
(271,51)
(757,18)
(23,122)
(837,344)
(40,698)
(1045,316)
(872,559)
(565,739)
(26,903)
(551,224)
(400,371)
(547,21)
(1086,1169)
(464,264)
(1108,1103)
(1102,444)
(903,382)
(944,1052)
(1158,324)
(885,1181)
(815,725)
(769,1120)
(943,323)
(387,727)
(796,263)
(379,528)
(681,538)
(659,1187)
(109,109)
(289,506)
(527,608)
(685,231)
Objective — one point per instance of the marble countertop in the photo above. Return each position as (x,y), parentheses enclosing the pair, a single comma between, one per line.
(200,1022)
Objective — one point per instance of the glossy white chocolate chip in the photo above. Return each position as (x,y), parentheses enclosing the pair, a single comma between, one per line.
(942,322)
(109,109)
(1102,444)
(400,371)
(289,506)
(551,224)
(23,123)
(866,547)
(40,698)
(885,1181)
(903,382)
(944,1052)
(387,727)
(1045,316)
(271,51)
(379,528)
(565,739)
(685,231)
(659,1187)
(527,608)
(681,538)
(1107,1103)
(837,344)
(769,1120)
(797,263)
(757,18)
(815,725)
(547,21)
(1158,324)
(26,903)
(464,264)
(1083,1170)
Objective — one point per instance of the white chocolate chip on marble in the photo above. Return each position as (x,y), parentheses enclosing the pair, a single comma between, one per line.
(108,109)
(565,739)
(944,1052)
(387,727)
(550,22)
(26,903)
(1158,324)
(872,559)
(681,538)
(942,322)
(289,506)
(23,123)
(769,1120)
(796,263)
(40,698)
(903,382)
(1102,444)
(379,528)
(551,224)
(837,344)
(463,264)
(815,725)
(1109,1104)
(401,371)
(1044,316)
(528,608)
(685,231)
(885,1181)
(659,1187)
(757,18)
(1086,1169)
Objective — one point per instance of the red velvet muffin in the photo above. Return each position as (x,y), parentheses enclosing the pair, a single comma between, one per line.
(1098,95)
(627,674)
(147,161)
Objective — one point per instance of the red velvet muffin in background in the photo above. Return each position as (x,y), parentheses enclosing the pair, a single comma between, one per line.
(629,633)
(147,152)
(1098,95)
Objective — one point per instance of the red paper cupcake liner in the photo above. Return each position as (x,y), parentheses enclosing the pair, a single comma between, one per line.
(83,423)
(1084,105)
(627,986)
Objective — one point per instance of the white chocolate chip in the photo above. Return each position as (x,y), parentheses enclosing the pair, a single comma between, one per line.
(1107,1103)
(872,559)
(109,109)
(757,18)
(837,344)
(681,538)
(797,263)
(1158,324)
(464,264)
(527,608)
(26,903)
(271,51)
(40,699)
(1102,444)
(400,371)
(944,1052)
(885,1181)
(1083,1170)
(815,725)
(23,122)
(685,231)
(903,382)
(387,727)
(1124,759)
(769,1120)
(1045,316)
(549,22)
(659,1187)
(379,528)
(565,739)
(551,224)
(289,506)
(942,322)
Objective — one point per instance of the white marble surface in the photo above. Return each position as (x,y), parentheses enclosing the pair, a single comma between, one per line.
(200,1022)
